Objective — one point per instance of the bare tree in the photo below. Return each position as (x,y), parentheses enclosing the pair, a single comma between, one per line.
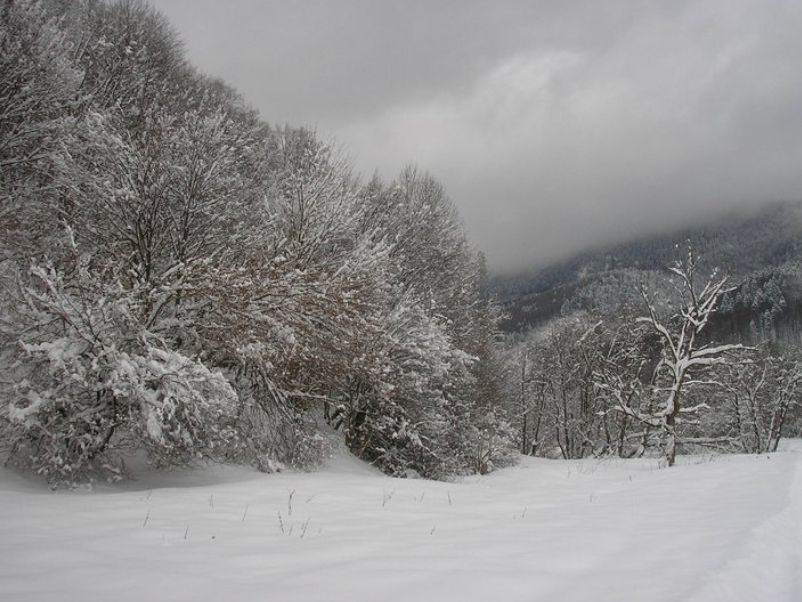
(685,358)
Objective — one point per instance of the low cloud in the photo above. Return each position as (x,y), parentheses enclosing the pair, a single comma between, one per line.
(553,128)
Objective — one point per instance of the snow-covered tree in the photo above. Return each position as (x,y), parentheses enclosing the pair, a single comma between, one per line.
(182,278)
(38,102)
(84,378)
(762,393)
(686,359)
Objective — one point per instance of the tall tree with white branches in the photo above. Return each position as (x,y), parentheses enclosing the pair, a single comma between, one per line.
(685,356)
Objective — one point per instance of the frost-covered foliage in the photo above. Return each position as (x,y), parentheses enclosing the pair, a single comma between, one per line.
(762,400)
(622,377)
(87,375)
(182,278)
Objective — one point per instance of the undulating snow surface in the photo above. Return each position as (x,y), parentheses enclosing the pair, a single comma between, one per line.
(722,528)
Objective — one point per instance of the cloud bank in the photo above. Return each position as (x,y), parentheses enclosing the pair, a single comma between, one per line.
(554,126)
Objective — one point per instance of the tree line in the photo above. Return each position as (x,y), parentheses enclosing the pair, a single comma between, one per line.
(640,369)
(181,277)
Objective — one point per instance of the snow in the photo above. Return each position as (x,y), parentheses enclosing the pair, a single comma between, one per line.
(712,528)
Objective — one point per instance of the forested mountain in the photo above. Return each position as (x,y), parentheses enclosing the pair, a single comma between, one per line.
(609,341)
(760,251)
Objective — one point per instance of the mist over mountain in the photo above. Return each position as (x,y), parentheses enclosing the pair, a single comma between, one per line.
(742,245)
(554,125)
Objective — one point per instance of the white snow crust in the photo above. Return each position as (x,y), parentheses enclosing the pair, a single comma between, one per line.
(712,528)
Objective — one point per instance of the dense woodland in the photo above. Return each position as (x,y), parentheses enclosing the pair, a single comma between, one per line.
(649,373)
(595,341)
(760,250)
(181,278)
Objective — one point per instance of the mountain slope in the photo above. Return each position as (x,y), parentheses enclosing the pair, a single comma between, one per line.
(746,246)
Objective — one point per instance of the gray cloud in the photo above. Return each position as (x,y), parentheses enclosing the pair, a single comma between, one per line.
(554,125)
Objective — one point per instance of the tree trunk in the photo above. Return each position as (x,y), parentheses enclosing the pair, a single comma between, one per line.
(622,433)
(524,409)
(777,426)
(671,441)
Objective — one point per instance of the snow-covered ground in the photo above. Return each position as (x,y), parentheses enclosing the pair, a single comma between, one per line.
(722,528)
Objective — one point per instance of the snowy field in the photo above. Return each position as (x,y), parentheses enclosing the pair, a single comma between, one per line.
(722,528)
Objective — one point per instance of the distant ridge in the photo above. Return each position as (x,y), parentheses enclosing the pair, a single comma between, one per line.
(742,245)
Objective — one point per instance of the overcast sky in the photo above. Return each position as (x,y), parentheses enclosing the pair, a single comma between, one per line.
(554,125)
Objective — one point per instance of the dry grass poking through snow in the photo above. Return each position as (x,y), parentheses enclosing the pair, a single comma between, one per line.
(726,528)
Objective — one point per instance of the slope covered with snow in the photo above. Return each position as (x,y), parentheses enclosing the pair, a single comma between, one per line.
(720,528)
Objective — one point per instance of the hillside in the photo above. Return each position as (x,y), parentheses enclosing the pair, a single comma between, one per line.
(749,247)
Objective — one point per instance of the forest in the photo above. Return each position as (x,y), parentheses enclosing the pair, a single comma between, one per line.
(643,366)
(183,279)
